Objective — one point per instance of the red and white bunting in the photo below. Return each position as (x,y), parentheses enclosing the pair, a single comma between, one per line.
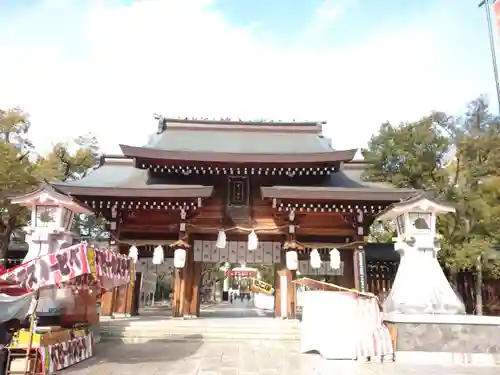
(66,266)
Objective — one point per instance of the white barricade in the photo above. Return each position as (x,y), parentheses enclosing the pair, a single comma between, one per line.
(329,324)
(263,301)
(342,325)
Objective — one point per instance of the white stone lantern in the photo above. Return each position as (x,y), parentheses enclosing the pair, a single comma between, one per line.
(415,221)
(420,286)
(52,214)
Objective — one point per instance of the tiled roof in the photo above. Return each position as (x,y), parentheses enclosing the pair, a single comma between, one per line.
(239,142)
(119,177)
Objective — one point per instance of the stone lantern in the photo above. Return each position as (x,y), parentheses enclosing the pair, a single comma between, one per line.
(52,216)
(420,286)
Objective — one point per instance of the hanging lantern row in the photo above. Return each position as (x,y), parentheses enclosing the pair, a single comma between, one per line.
(292,259)
(180,254)
(253,240)
(159,257)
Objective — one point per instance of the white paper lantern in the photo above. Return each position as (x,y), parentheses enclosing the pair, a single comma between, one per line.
(315,259)
(158,256)
(292,260)
(253,241)
(179,258)
(221,240)
(334,259)
(133,253)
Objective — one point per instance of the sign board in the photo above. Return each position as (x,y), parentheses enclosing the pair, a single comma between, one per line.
(64,354)
(361,260)
(267,252)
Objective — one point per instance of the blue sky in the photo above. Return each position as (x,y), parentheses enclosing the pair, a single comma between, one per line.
(108,65)
(287,18)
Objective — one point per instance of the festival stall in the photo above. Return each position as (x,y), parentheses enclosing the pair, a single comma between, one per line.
(342,323)
(15,303)
(63,313)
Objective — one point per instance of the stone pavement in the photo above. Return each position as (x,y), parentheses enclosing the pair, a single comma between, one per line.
(200,356)
(237,309)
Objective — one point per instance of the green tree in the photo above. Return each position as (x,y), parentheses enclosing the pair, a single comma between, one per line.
(473,232)
(454,159)
(266,273)
(69,161)
(409,155)
(72,161)
(91,228)
(22,169)
(382,232)
(16,175)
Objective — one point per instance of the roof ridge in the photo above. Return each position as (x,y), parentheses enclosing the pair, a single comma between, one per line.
(323,156)
(239,121)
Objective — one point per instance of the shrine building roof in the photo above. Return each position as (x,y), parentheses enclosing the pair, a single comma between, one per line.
(345,185)
(118,177)
(228,141)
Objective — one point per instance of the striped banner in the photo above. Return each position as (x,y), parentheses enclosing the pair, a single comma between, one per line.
(65,266)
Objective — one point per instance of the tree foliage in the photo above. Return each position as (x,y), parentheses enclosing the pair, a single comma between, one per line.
(267,273)
(408,155)
(69,161)
(456,159)
(22,169)
(382,232)
(16,173)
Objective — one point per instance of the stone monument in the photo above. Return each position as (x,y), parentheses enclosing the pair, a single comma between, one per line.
(422,307)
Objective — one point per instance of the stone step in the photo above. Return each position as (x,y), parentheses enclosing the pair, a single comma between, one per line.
(205,332)
(241,324)
(199,330)
(137,337)
(232,340)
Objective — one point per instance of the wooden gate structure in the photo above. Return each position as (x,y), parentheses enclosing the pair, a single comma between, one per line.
(281,181)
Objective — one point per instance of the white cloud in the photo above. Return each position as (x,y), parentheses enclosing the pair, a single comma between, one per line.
(183,58)
(327,13)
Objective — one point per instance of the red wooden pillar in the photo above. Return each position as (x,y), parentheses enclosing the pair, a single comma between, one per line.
(194,310)
(187,284)
(107,302)
(176,295)
(277,292)
(284,302)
